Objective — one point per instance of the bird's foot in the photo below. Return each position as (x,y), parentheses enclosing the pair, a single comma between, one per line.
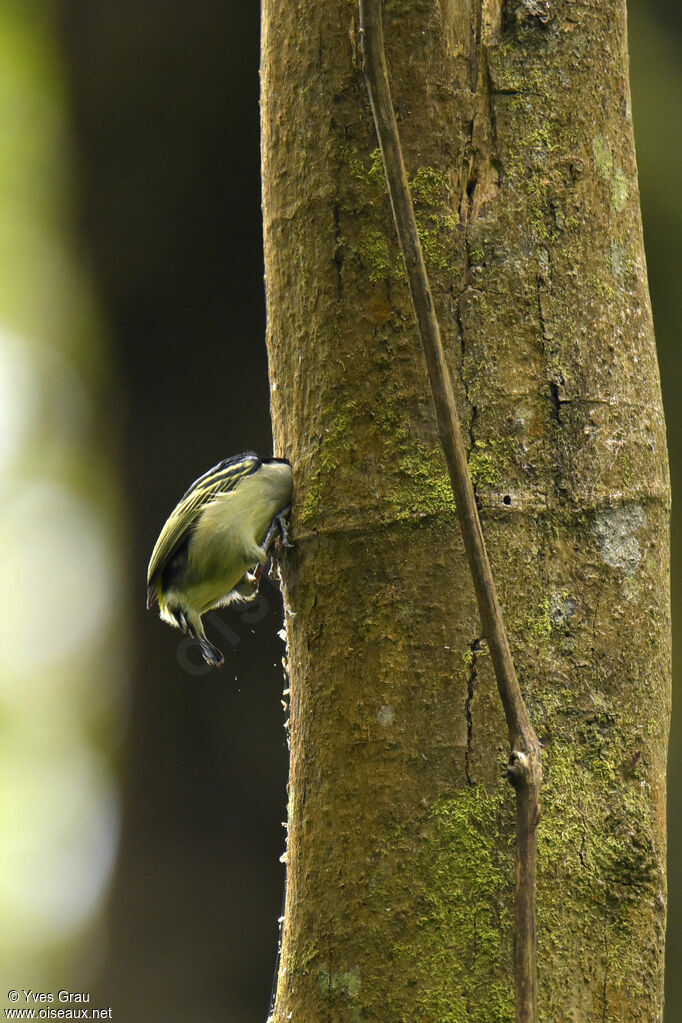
(282,521)
(278,533)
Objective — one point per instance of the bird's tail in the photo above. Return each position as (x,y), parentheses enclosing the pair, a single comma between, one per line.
(210,653)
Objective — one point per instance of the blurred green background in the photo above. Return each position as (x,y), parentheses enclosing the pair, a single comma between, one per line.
(141,798)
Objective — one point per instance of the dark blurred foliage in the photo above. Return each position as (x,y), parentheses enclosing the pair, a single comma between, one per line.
(164,99)
(165,115)
(668,12)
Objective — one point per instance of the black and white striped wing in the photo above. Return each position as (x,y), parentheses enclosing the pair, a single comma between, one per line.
(219,480)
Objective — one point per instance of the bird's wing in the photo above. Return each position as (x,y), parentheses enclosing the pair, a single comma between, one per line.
(219,480)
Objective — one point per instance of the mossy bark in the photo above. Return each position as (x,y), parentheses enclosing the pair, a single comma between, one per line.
(518,142)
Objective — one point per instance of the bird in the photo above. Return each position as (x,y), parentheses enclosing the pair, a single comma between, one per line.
(214,544)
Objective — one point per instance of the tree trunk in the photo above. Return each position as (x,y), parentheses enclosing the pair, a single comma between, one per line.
(518,142)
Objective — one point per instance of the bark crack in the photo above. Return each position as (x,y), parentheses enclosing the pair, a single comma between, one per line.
(553,372)
(462,374)
(475,648)
(481,178)
(338,251)
(605,1003)
(554,376)
(555,401)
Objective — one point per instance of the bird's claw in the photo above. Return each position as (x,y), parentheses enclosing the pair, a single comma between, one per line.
(278,525)
(283,524)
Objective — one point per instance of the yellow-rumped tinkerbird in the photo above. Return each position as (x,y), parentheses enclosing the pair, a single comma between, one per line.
(214,544)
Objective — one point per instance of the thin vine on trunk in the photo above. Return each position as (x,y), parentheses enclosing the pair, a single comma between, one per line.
(525,760)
